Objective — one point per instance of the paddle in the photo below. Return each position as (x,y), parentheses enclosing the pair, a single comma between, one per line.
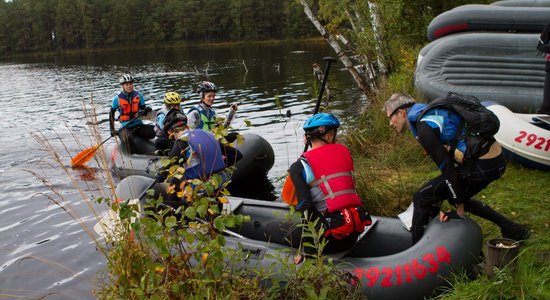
(288,193)
(85,155)
(328,60)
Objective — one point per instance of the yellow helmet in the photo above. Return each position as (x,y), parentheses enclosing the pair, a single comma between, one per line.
(172,98)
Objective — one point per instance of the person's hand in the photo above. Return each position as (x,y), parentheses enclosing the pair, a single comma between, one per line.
(146,110)
(234,106)
(450,214)
(113,132)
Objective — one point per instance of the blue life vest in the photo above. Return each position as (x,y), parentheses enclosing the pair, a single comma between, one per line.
(159,121)
(204,157)
(445,121)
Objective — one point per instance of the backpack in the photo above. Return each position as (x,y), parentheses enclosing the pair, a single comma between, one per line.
(480,123)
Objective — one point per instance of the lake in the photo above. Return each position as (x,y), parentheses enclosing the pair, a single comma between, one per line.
(44,251)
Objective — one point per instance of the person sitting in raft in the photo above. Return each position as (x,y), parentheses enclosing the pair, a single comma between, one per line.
(172,100)
(203,116)
(130,104)
(324,186)
(436,132)
(198,152)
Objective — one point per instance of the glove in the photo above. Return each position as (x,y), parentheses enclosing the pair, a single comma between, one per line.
(113,132)
(146,110)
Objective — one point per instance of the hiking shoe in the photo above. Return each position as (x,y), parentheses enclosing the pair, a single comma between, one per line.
(516,232)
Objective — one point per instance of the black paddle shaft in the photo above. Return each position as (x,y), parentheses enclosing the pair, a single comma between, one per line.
(328,61)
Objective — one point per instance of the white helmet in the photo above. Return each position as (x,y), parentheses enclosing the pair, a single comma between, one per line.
(126,78)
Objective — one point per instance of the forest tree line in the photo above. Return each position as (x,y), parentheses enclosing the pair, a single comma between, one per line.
(28,26)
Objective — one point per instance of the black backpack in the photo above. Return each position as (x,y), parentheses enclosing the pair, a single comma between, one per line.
(480,123)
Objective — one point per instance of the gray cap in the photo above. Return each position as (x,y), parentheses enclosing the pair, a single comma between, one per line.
(398,101)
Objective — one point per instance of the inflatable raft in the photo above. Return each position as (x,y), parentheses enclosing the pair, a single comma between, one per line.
(383,259)
(500,67)
(524,139)
(258,158)
(519,3)
(477,17)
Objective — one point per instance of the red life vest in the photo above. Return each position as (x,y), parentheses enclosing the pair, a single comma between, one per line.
(335,179)
(128,105)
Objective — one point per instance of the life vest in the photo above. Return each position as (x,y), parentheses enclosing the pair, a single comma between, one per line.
(162,112)
(207,117)
(335,180)
(128,105)
(204,157)
(446,121)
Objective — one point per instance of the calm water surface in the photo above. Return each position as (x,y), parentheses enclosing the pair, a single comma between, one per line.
(44,252)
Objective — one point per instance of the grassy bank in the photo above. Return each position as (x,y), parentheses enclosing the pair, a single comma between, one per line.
(390,168)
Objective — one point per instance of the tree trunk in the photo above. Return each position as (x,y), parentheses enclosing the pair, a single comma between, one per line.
(342,56)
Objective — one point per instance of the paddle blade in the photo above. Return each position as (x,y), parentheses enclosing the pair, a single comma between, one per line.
(83,157)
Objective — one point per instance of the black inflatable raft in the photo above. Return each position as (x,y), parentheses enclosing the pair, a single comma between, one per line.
(383,259)
(258,159)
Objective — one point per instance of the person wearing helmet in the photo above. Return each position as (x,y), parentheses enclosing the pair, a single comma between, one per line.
(172,100)
(202,115)
(324,185)
(436,132)
(130,104)
(197,151)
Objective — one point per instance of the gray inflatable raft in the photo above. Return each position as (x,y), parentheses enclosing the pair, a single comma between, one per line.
(501,67)
(477,17)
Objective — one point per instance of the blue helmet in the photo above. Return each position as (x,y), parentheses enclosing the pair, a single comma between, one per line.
(326,120)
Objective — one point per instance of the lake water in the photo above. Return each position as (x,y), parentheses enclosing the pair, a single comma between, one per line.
(44,252)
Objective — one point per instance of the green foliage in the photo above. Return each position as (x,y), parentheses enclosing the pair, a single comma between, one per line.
(164,253)
(50,25)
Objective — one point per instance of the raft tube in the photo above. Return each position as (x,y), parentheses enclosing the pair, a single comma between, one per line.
(500,67)
(477,17)
(258,159)
(383,260)
(525,3)
(523,139)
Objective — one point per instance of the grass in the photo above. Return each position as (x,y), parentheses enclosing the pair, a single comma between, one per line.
(389,169)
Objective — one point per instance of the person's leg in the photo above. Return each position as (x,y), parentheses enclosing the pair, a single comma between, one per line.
(545,107)
(161,144)
(126,136)
(146,131)
(432,193)
(483,173)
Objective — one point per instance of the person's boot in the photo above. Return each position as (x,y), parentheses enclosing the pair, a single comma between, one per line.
(516,232)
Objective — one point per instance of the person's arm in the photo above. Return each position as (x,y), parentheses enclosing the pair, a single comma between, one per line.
(193,118)
(232,111)
(142,104)
(429,139)
(112,121)
(160,120)
(296,172)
